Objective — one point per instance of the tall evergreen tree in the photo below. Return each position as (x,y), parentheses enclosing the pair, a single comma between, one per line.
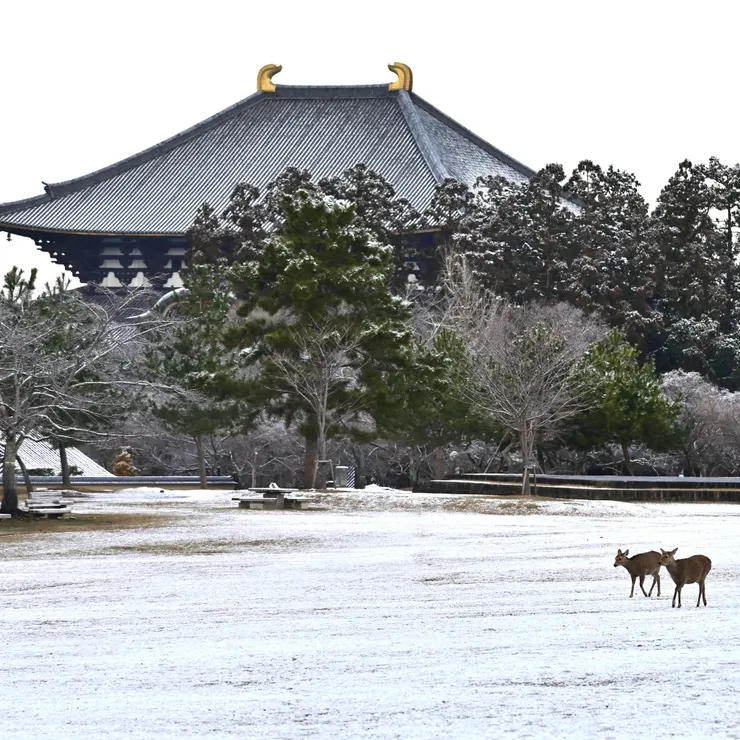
(518,237)
(696,274)
(319,271)
(724,187)
(427,404)
(689,269)
(613,272)
(195,376)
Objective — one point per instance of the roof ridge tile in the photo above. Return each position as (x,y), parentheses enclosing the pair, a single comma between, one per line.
(421,137)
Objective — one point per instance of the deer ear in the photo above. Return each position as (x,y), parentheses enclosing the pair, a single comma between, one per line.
(674,551)
(619,552)
(662,551)
(626,552)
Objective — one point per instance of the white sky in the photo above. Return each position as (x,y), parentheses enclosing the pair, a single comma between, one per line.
(640,85)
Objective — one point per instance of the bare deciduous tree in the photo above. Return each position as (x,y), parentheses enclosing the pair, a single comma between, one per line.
(710,418)
(317,372)
(61,356)
(523,362)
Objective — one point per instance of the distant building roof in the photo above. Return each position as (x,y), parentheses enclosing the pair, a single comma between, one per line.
(324,130)
(37,455)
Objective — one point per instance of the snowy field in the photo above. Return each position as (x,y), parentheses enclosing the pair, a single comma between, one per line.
(382,616)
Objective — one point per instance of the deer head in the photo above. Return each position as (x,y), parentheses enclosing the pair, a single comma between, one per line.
(667,556)
(621,557)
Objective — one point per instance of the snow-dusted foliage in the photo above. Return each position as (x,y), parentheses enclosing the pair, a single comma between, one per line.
(312,267)
(668,280)
(317,317)
(711,422)
(63,365)
(522,364)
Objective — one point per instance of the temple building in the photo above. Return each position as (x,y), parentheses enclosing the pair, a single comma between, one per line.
(125,224)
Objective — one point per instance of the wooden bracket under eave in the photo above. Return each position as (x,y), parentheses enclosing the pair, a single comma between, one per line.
(405,79)
(264,77)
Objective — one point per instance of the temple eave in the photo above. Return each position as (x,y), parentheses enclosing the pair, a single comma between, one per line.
(34,232)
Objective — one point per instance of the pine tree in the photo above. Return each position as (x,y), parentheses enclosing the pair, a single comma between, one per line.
(695,275)
(518,237)
(378,209)
(426,405)
(689,270)
(196,376)
(626,403)
(613,272)
(724,187)
(320,277)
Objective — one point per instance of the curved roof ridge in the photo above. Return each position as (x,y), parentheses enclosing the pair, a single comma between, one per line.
(474,138)
(427,149)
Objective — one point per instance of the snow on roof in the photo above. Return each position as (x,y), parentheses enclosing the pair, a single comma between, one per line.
(39,454)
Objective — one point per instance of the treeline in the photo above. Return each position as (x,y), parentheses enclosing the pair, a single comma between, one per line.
(564,325)
(666,278)
(592,295)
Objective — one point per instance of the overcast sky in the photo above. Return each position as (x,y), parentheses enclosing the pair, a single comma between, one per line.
(637,84)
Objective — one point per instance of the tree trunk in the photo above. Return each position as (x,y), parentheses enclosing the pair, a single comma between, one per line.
(26,476)
(526,490)
(413,472)
(66,477)
(439,471)
(627,459)
(359,454)
(323,467)
(581,458)
(527,445)
(201,462)
(10,492)
(540,456)
(526,441)
(311,460)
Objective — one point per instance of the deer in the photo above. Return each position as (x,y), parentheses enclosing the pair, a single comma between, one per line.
(639,566)
(686,570)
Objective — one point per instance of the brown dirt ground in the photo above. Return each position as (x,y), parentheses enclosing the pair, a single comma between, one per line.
(79,523)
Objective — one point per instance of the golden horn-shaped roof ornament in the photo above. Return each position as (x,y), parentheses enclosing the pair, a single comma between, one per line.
(264,77)
(405,79)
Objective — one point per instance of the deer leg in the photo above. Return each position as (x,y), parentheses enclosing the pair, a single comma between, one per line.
(632,592)
(675,593)
(678,591)
(656,579)
(642,580)
(702,593)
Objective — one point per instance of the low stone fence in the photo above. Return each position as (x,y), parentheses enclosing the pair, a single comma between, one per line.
(595,487)
(117,482)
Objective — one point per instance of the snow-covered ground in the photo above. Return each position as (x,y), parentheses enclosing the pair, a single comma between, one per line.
(384,615)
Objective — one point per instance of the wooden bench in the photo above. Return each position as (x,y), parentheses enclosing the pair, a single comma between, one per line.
(46,503)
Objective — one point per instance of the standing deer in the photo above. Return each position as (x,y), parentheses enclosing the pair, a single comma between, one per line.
(639,566)
(687,570)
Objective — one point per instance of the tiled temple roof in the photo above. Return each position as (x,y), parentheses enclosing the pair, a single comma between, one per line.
(324,130)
